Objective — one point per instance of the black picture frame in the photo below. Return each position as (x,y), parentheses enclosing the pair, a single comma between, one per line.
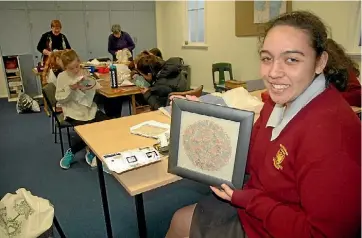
(243,117)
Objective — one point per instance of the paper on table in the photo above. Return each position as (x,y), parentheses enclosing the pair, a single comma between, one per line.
(124,161)
(151,129)
(126,82)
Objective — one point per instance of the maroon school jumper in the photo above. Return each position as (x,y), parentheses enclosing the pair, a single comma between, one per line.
(303,185)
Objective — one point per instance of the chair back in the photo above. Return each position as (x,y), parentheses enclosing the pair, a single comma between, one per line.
(221,68)
(195,92)
(49,95)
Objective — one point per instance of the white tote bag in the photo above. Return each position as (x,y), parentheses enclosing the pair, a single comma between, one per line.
(23,215)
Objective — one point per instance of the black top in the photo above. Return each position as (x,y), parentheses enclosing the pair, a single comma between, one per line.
(169,79)
(52,42)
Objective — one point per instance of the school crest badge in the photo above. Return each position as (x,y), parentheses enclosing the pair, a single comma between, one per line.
(279,157)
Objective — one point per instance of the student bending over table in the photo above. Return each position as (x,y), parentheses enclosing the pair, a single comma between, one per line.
(156,52)
(304,157)
(76,100)
(343,66)
(164,76)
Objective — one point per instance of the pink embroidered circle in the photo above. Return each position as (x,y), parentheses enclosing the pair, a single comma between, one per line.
(207,145)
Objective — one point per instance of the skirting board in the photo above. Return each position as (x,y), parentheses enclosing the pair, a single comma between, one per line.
(355,55)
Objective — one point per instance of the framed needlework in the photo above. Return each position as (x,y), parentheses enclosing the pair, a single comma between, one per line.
(209,143)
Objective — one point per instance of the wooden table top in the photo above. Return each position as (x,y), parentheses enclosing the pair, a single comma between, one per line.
(114,136)
(109,92)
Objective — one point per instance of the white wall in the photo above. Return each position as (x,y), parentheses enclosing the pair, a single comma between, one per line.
(241,52)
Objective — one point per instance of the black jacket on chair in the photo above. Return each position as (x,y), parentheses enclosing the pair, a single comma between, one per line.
(169,79)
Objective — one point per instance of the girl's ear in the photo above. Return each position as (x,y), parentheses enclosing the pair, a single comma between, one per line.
(321,63)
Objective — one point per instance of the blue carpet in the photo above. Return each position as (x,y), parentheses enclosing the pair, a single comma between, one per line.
(30,160)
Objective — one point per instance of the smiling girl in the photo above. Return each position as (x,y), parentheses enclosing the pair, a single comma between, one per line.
(304,157)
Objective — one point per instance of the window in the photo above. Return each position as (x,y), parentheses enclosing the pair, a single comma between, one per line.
(195,22)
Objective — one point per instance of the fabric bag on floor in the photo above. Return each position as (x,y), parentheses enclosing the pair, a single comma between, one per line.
(26,104)
(23,215)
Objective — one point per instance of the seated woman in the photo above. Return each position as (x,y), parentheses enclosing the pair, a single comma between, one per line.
(53,67)
(164,77)
(304,158)
(346,68)
(75,96)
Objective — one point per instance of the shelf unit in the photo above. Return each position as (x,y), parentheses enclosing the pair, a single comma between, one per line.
(13,77)
(19,76)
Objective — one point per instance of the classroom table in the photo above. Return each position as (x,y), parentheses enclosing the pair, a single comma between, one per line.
(114,136)
(122,91)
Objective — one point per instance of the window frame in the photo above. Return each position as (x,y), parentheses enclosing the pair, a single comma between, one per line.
(194,45)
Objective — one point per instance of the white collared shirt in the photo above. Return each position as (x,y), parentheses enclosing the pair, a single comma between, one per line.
(280,116)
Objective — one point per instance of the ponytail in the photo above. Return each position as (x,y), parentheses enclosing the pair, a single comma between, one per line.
(338,66)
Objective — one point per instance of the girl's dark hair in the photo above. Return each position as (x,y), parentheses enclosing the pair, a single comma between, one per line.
(156,52)
(338,59)
(318,34)
(149,64)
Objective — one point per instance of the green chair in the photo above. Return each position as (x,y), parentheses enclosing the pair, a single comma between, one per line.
(221,68)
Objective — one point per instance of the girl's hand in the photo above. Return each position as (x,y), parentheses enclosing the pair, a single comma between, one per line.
(225,193)
(144,90)
(188,97)
(78,85)
(74,86)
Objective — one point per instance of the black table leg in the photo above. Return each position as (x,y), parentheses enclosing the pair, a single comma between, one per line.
(58,227)
(102,187)
(141,218)
(130,106)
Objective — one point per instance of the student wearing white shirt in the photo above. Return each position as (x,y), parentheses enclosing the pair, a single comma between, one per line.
(75,92)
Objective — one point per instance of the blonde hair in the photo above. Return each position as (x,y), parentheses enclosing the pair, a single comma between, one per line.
(56,23)
(68,56)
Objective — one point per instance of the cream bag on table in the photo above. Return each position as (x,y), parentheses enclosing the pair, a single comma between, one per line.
(123,56)
(23,215)
(242,99)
